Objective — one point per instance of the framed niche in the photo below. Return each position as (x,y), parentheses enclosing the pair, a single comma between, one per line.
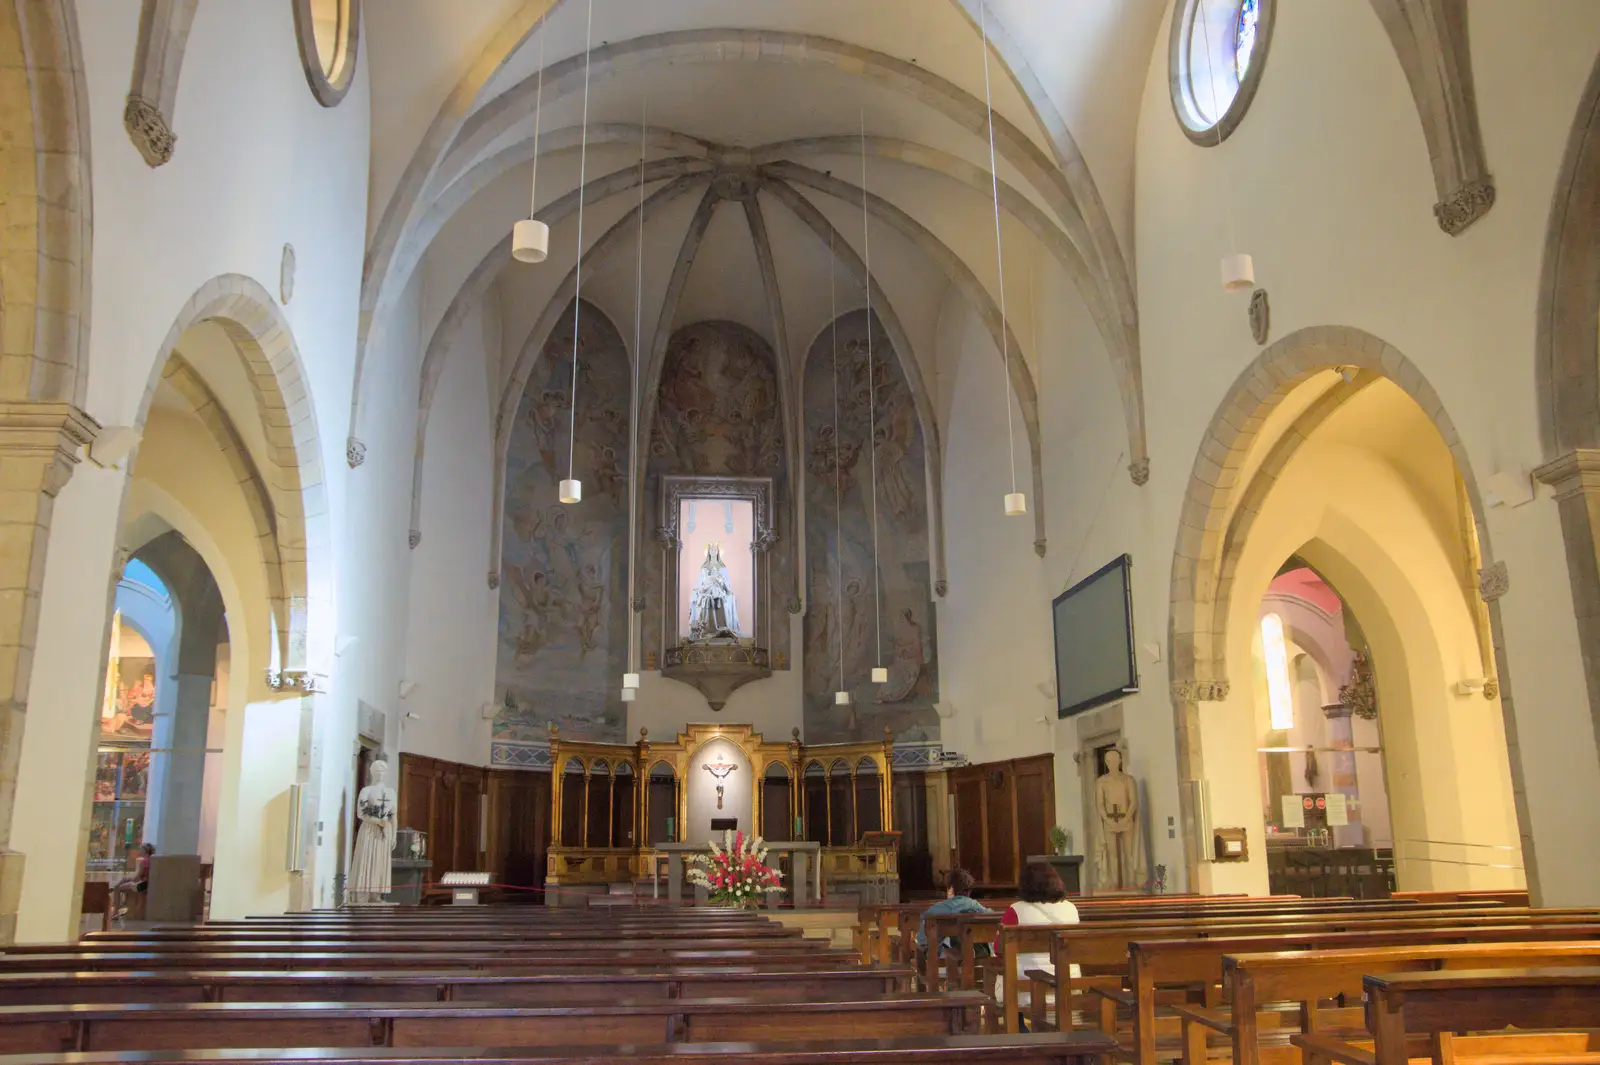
(724,526)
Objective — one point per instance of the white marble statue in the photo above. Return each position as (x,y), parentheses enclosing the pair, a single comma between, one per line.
(378,807)
(713,610)
(1119,861)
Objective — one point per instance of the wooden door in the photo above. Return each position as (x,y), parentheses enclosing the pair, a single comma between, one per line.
(1001,820)
(970,823)
(1036,804)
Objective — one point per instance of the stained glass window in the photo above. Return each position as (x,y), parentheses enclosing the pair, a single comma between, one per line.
(1245,35)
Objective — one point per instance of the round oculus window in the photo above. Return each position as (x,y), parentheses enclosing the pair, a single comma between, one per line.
(1218,50)
(328,32)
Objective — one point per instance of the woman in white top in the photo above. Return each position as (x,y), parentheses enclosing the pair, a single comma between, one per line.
(1041,900)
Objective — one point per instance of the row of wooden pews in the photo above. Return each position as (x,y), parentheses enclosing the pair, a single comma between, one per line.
(1284,980)
(531,985)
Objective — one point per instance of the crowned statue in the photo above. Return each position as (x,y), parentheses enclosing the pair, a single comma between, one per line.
(713,610)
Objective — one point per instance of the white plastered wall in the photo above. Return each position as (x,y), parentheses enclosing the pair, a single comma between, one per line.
(258,164)
(1330,187)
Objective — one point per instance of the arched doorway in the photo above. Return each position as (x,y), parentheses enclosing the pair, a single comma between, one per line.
(1346,485)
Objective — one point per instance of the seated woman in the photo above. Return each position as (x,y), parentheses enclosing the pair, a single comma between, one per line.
(957,900)
(1041,899)
(139,881)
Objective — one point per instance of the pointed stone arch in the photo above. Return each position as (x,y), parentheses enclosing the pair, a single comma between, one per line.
(1217,510)
(293,471)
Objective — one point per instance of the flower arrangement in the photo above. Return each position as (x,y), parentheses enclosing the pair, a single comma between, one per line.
(735,873)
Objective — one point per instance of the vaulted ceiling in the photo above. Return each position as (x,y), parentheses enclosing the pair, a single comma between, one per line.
(761,123)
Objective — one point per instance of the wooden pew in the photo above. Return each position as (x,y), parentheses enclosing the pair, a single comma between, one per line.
(158,1026)
(528,989)
(1253,982)
(425,937)
(1071,1048)
(789,943)
(643,954)
(970,929)
(1438,1005)
(1194,966)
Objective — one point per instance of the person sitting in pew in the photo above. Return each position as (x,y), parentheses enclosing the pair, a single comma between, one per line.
(139,881)
(957,900)
(1041,899)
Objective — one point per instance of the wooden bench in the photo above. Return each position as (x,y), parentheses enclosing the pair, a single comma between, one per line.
(426,937)
(530,989)
(583,958)
(165,1026)
(1437,1006)
(1101,949)
(1072,1048)
(1193,968)
(1253,983)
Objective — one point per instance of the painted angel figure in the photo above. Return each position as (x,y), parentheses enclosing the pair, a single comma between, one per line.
(713,610)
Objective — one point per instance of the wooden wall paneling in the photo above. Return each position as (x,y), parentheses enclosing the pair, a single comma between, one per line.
(971,831)
(1035,804)
(519,818)
(1000,815)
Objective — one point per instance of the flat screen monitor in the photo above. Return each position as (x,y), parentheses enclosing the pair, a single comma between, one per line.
(1095,662)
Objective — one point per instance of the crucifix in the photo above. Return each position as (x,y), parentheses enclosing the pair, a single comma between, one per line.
(720,770)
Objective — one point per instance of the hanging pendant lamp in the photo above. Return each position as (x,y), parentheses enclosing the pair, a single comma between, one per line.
(571,490)
(842,696)
(630,679)
(1016,502)
(530,238)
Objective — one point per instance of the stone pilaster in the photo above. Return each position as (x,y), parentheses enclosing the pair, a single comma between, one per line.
(39,445)
(1575,477)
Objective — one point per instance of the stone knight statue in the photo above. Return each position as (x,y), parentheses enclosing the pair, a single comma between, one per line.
(713,610)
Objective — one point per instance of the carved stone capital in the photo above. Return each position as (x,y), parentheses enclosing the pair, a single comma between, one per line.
(295,680)
(1039,546)
(147,128)
(413,538)
(1139,470)
(1494,581)
(1468,203)
(941,588)
(1200,691)
(51,434)
(1571,474)
(355,452)
(637,602)
(494,581)
(794,604)
(1491,688)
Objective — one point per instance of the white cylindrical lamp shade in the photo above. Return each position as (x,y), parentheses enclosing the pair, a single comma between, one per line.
(1016,504)
(571,491)
(630,680)
(1238,273)
(880,675)
(630,694)
(530,241)
(841,698)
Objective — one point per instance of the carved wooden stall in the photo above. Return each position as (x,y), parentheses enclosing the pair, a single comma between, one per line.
(1003,812)
(612,804)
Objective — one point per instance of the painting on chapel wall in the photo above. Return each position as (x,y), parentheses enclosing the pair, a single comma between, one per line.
(563,636)
(841,616)
(719,414)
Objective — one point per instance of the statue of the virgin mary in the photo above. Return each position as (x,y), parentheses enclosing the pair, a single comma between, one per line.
(713,610)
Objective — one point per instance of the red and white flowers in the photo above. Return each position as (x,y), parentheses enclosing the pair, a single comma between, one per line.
(735,873)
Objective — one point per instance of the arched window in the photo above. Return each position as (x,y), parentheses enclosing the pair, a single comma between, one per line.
(1218,50)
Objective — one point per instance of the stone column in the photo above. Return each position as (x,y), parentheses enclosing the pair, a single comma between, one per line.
(1575,477)
(39,445)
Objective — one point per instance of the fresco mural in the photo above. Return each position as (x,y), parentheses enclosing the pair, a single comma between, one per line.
(718,414)
(905,704)
(563,637)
